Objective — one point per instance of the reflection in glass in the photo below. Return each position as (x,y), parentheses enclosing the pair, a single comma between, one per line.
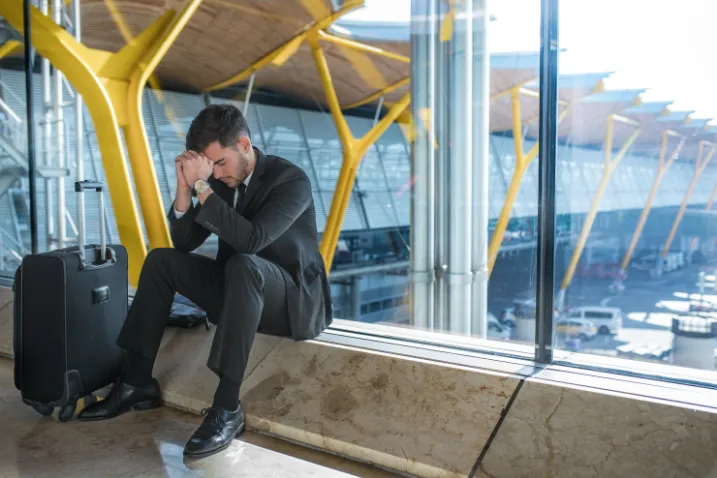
(637,179)
(439,233)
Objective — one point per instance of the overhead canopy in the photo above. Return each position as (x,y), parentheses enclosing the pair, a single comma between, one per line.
(226,40)
(222,38)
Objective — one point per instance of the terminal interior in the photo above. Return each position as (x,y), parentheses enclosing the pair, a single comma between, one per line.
(515,207)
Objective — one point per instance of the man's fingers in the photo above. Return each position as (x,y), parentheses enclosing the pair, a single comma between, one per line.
(186,156)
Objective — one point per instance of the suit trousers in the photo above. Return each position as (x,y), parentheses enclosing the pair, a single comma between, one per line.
(244,295)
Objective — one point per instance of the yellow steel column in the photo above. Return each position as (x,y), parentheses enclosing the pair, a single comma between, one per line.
(700,165)
(80,65)
(664,164)
(140,155)
(710,202)
(9,47)
(354,149)
(610,163)
(712,198)
(152,80)
(522,161)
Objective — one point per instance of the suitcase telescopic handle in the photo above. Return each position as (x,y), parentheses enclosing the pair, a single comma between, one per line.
(80,188)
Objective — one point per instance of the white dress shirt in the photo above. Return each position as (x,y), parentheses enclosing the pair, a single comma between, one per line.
(178,214)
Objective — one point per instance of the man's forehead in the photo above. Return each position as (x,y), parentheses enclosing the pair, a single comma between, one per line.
(213,153)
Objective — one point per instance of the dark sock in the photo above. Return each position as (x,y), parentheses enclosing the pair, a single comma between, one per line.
(227,395)
(137,370)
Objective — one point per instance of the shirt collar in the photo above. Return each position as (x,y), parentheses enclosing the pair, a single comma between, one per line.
(248,178)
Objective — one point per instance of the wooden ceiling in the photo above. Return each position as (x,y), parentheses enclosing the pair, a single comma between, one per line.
(356,75)
(225,37)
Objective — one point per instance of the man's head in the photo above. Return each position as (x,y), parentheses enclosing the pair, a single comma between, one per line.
(221,133)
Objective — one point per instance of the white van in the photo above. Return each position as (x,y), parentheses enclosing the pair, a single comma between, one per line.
(608,320)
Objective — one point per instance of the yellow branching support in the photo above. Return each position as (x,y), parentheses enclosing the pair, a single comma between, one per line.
(140,154)
(701,163)
(712,198)
(285,51)
(664,164)
(382,92)
(153,80)
(354,150)
(111,84)
(354,45)
(608,168)
(77,63)
(9,47)
(522,161)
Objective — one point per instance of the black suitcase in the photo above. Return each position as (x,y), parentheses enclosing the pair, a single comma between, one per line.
(69,307)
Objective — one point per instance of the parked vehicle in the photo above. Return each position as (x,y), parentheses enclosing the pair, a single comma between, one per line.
(522,309)
(657,265)
(607,319)
(581,328)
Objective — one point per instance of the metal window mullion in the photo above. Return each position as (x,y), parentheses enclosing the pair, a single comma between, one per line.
(311,162)
(260,125)
(155,129)
(381,165)
(548,138)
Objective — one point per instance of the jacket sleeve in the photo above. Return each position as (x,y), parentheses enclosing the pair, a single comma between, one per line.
(186,234)
(286,202)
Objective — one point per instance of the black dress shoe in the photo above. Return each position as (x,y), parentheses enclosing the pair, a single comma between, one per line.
(216,432)
(122,398)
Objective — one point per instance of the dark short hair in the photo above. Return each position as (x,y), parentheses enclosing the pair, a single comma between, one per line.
(221,122)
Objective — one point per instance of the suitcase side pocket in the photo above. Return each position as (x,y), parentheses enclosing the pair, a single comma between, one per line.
(17,327)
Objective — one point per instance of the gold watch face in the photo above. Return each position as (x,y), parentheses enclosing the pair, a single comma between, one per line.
(201,186)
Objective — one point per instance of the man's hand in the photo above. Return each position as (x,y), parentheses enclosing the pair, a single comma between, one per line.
(182,184)
(183,197)
(195,166)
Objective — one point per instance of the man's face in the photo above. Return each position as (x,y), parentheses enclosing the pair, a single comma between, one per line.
(231,164)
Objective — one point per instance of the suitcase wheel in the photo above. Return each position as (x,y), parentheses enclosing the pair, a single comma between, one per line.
(44,410)
(65,414)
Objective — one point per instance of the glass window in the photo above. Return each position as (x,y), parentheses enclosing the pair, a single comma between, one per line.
(640,264)
(430,205)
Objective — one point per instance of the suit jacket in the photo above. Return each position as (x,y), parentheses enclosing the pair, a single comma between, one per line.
(278,223)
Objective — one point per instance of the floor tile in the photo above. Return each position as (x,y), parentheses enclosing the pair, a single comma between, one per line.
(147,444)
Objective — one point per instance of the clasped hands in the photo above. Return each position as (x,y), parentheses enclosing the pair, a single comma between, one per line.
(190,167)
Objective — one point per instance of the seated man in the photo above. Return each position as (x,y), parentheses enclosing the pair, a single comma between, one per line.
(268,275)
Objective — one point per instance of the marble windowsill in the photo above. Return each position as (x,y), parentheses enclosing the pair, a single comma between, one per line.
(411,408)
(640,380)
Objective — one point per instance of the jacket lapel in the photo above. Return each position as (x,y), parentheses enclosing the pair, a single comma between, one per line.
(256,181)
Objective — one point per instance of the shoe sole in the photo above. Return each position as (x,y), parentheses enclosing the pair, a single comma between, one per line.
(139,407)
(205,454)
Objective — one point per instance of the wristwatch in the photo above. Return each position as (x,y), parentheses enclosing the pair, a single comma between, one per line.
(201,186)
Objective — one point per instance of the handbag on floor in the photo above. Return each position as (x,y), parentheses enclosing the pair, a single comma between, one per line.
(186,314)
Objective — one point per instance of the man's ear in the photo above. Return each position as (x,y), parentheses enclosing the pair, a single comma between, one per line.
(244,144)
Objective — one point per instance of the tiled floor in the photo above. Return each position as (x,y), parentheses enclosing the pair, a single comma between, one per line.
(146,444)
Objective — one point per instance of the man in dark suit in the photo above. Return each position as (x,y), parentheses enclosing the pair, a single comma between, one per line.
(268,275)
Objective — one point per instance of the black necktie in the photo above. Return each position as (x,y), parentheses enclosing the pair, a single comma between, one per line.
(240,196)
